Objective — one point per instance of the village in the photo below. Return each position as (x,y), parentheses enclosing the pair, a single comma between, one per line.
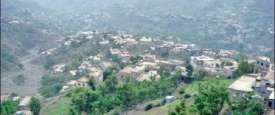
(142,58)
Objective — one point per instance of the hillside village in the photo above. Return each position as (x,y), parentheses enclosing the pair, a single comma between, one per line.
(144,58)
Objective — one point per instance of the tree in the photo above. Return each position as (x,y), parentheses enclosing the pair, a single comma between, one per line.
(84,101)
(9,107)
(135,59)
(189,70)
(244,68)
(108,72)
(211,98)
(92,83)
(49,62)
(180,109)
(247,107)
(35,106)
(199,74)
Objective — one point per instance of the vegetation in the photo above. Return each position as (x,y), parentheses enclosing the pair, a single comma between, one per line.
(124,95)
(180,109)
(35,106)
(199,74)
(244,68)
(135,59)
(61,107)
(8,107)
(247,107)
(51,85)
(211,97)
(8,60)
(189,69)
(49,62)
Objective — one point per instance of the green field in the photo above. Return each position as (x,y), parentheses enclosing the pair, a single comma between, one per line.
(61,107)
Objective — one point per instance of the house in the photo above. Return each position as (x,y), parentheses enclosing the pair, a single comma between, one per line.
(265,85)
(132,71)
(105,42)
(227,53)
(24,102)
(263,64)
(97,73)
(242,86)
(145,39)
(149,57)
(162,50)
(81,82)
(183,70)
(204,61)
(271,100)
(149,65)
(59,68)
(124,55)
(48,52)
(208,52)
(148,75)
(73,72)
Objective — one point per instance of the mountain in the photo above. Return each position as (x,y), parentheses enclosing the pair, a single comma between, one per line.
(24,26)
(243,25)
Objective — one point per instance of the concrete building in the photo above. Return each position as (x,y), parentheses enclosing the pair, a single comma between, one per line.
(59,68)
(242,86)
(271,100)
(263,64)
(24,102)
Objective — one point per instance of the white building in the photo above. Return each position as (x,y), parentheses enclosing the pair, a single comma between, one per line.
(242,86)
(263,64)
(24,102)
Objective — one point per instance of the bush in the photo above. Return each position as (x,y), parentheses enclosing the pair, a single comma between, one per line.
(182,91)
(187,96)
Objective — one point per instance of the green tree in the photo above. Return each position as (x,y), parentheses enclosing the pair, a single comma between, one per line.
(35,106)
(244,68)
(84,101)
(211,98)
(92,83)
(180,109)
(247,107)
(8,107)
(199,74)
(189,70)
(108,72)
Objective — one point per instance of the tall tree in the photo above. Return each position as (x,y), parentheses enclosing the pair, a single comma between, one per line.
(247,107)
(84,101)
(35,106)
(189,69)
(211,98)
(179,109)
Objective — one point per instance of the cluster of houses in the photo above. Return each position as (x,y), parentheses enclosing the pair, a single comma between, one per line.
(216,66)
(259,84)
(23,106)
(158,54)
